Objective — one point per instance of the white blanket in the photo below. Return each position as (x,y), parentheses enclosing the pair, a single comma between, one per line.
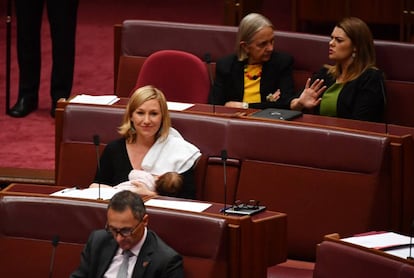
(174,154)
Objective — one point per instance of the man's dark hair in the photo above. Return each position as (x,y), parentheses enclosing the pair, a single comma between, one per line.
(128,199)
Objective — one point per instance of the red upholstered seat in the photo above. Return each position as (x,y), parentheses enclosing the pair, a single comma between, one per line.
(291,269)
(181,76)
(342,261)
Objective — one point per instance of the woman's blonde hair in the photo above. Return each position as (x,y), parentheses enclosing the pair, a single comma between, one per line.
(363,43)
(140,96)
(248,27)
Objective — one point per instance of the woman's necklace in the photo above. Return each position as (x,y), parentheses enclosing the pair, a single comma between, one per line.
(253,72)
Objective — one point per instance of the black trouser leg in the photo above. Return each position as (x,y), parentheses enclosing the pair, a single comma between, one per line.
(62,16)
(29,20)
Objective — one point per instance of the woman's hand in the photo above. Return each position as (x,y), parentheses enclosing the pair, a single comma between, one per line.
(310,97)
(96,185)
(234,104)
(273,97)
(237,104)
(141,189)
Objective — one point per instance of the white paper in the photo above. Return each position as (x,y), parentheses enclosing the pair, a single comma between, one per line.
(105,193)
(378,241)
(401,252)
(180,205)
(103,99)
(178,106)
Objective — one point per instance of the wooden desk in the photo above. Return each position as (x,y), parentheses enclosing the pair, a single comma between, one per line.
(337,239)
(401,143)
(32,189)
(336,258)
(222,111)
(262,239)
(382,13)
(38,176)
(235,10)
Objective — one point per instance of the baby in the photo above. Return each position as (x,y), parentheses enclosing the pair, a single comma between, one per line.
(169,183)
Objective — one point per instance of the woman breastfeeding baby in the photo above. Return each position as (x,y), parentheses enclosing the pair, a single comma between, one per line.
(151,157)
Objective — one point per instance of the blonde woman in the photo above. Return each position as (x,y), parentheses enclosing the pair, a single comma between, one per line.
(148,143)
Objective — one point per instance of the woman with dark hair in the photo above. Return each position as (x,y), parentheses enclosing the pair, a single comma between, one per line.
(353,87)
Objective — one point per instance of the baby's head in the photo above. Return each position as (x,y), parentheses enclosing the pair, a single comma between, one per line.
(169,184)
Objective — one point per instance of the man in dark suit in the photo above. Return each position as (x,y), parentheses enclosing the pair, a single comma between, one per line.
(126,233)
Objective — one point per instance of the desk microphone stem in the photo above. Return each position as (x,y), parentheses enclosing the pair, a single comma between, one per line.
(411,247)
(224,159)
(207,58)
(55,242)
(410,257)
(96,142)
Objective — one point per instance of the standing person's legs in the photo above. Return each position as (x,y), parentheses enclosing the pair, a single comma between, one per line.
(62,19)
(29,21)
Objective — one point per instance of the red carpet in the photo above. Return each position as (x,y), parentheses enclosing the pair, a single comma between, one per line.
(29,142)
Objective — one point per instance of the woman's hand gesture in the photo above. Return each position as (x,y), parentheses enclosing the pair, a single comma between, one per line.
(311,95)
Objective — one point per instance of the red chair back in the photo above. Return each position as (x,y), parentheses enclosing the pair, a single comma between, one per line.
(182,76)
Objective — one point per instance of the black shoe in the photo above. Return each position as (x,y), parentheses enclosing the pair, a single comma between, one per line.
(23,107)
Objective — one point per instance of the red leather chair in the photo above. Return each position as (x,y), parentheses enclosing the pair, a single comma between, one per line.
(182,76)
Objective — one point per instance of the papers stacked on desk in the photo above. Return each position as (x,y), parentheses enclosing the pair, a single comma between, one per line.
(180,205)
(178,106)
(89,99)
(389,242)
(106,193)
(87,193)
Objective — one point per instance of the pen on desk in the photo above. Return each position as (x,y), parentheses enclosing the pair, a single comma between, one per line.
(69,189)
(226,208)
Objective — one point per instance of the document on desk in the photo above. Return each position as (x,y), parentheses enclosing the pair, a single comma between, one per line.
(391,243)
(89,99)
(178,106)
(88,193)
(180,205)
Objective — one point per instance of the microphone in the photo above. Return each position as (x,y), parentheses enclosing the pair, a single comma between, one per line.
(55,242)
(410,257)
(224,159)
(96,142)
(384,96)
(207,59)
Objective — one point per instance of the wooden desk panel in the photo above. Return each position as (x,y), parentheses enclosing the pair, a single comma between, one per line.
(62,267)
(32,189)
(374,12)
(222,111)
(235,10)
(336,258)
(383,13)
(401,143)
(337,239)
(12,175)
